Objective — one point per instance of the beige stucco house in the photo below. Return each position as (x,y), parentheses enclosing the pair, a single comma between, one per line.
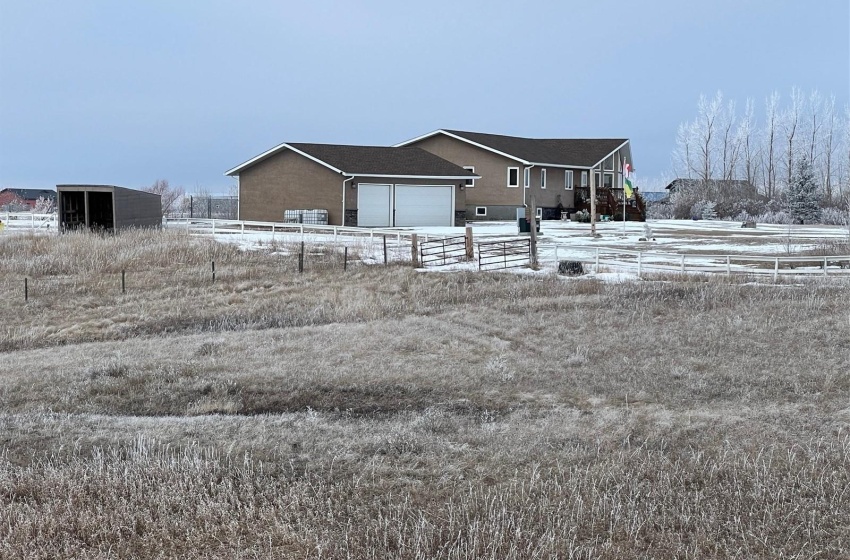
(556,172)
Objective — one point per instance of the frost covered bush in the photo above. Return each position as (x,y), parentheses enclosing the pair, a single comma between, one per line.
(659,211)
(834,217)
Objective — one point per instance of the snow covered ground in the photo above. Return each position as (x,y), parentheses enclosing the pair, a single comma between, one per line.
(672,245)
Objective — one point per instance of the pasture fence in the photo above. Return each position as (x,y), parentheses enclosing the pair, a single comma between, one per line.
(442,252)
(657,261)
(504,253)
(28,221)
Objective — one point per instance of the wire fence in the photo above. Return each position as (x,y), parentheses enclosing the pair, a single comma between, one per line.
(376,245)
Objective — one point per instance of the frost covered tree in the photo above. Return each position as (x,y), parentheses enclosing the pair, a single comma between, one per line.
(169,196)
(802,200)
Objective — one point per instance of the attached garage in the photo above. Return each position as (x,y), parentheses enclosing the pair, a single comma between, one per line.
(374,203)
(404,205)
(367,186)
(424,205)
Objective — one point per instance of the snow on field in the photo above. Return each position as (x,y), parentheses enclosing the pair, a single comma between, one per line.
(669,236)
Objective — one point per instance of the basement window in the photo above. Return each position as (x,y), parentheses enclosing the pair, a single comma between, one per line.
(480,210)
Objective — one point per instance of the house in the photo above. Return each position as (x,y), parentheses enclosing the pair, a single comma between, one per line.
(651,197)
(557,172)
(106,208)
(373,186)
(719,187)
(730,196)
(23,200)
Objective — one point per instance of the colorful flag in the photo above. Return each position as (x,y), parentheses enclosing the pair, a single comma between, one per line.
(628,188)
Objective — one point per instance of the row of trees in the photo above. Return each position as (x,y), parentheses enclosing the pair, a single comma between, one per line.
(725,143)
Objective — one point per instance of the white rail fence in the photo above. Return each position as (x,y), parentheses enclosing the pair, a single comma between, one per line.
(28,221)
(549,255)
(656,261)
(247,228)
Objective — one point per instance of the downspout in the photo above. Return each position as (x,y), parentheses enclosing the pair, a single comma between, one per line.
(342,221)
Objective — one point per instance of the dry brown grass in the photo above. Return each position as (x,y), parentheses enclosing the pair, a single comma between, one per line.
(385,413)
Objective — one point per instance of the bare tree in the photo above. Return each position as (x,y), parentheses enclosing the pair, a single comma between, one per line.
(705,133)
(748,148)
(730,145)
(828,146)
(169,195)
(790,125)
(769,152)
(683,153)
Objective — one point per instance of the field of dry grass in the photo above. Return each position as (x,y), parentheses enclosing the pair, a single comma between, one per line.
(387,413)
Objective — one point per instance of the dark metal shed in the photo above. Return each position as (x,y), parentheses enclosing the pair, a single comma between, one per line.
(106,207)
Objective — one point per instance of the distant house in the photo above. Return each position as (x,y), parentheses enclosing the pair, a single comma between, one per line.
(717,187)
(556,171)
(652,197)
(23,200)
(372,186)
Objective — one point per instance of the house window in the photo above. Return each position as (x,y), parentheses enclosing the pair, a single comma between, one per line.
(539,213)
(480,210)
(568,179)
(584,178)
(513,176)
(526,177)
(608,180)
(542,178)
(470,182)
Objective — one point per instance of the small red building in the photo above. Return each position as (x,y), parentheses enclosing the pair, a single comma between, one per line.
(23,200)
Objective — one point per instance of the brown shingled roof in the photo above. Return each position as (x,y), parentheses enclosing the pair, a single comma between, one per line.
(370,160)
(381,160)
(581,152)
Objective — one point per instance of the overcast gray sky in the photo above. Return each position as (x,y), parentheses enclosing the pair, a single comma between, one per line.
(125,92)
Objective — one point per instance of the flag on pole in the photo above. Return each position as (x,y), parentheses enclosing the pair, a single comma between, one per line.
(628,188)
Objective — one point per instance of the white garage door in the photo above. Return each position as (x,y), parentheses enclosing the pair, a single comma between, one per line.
(373,205)
(417,205)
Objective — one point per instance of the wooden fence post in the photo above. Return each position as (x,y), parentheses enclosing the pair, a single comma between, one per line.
(776,270)
(301,259)
(345,258)
(123,291)
(213,270)
(384,237)
(26,289)
(414,250)
(640,262)
(533,230)
(470,249)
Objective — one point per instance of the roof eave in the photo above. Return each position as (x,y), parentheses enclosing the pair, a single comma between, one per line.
(271,152)
(466,140)
(598,163)
(444,177)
